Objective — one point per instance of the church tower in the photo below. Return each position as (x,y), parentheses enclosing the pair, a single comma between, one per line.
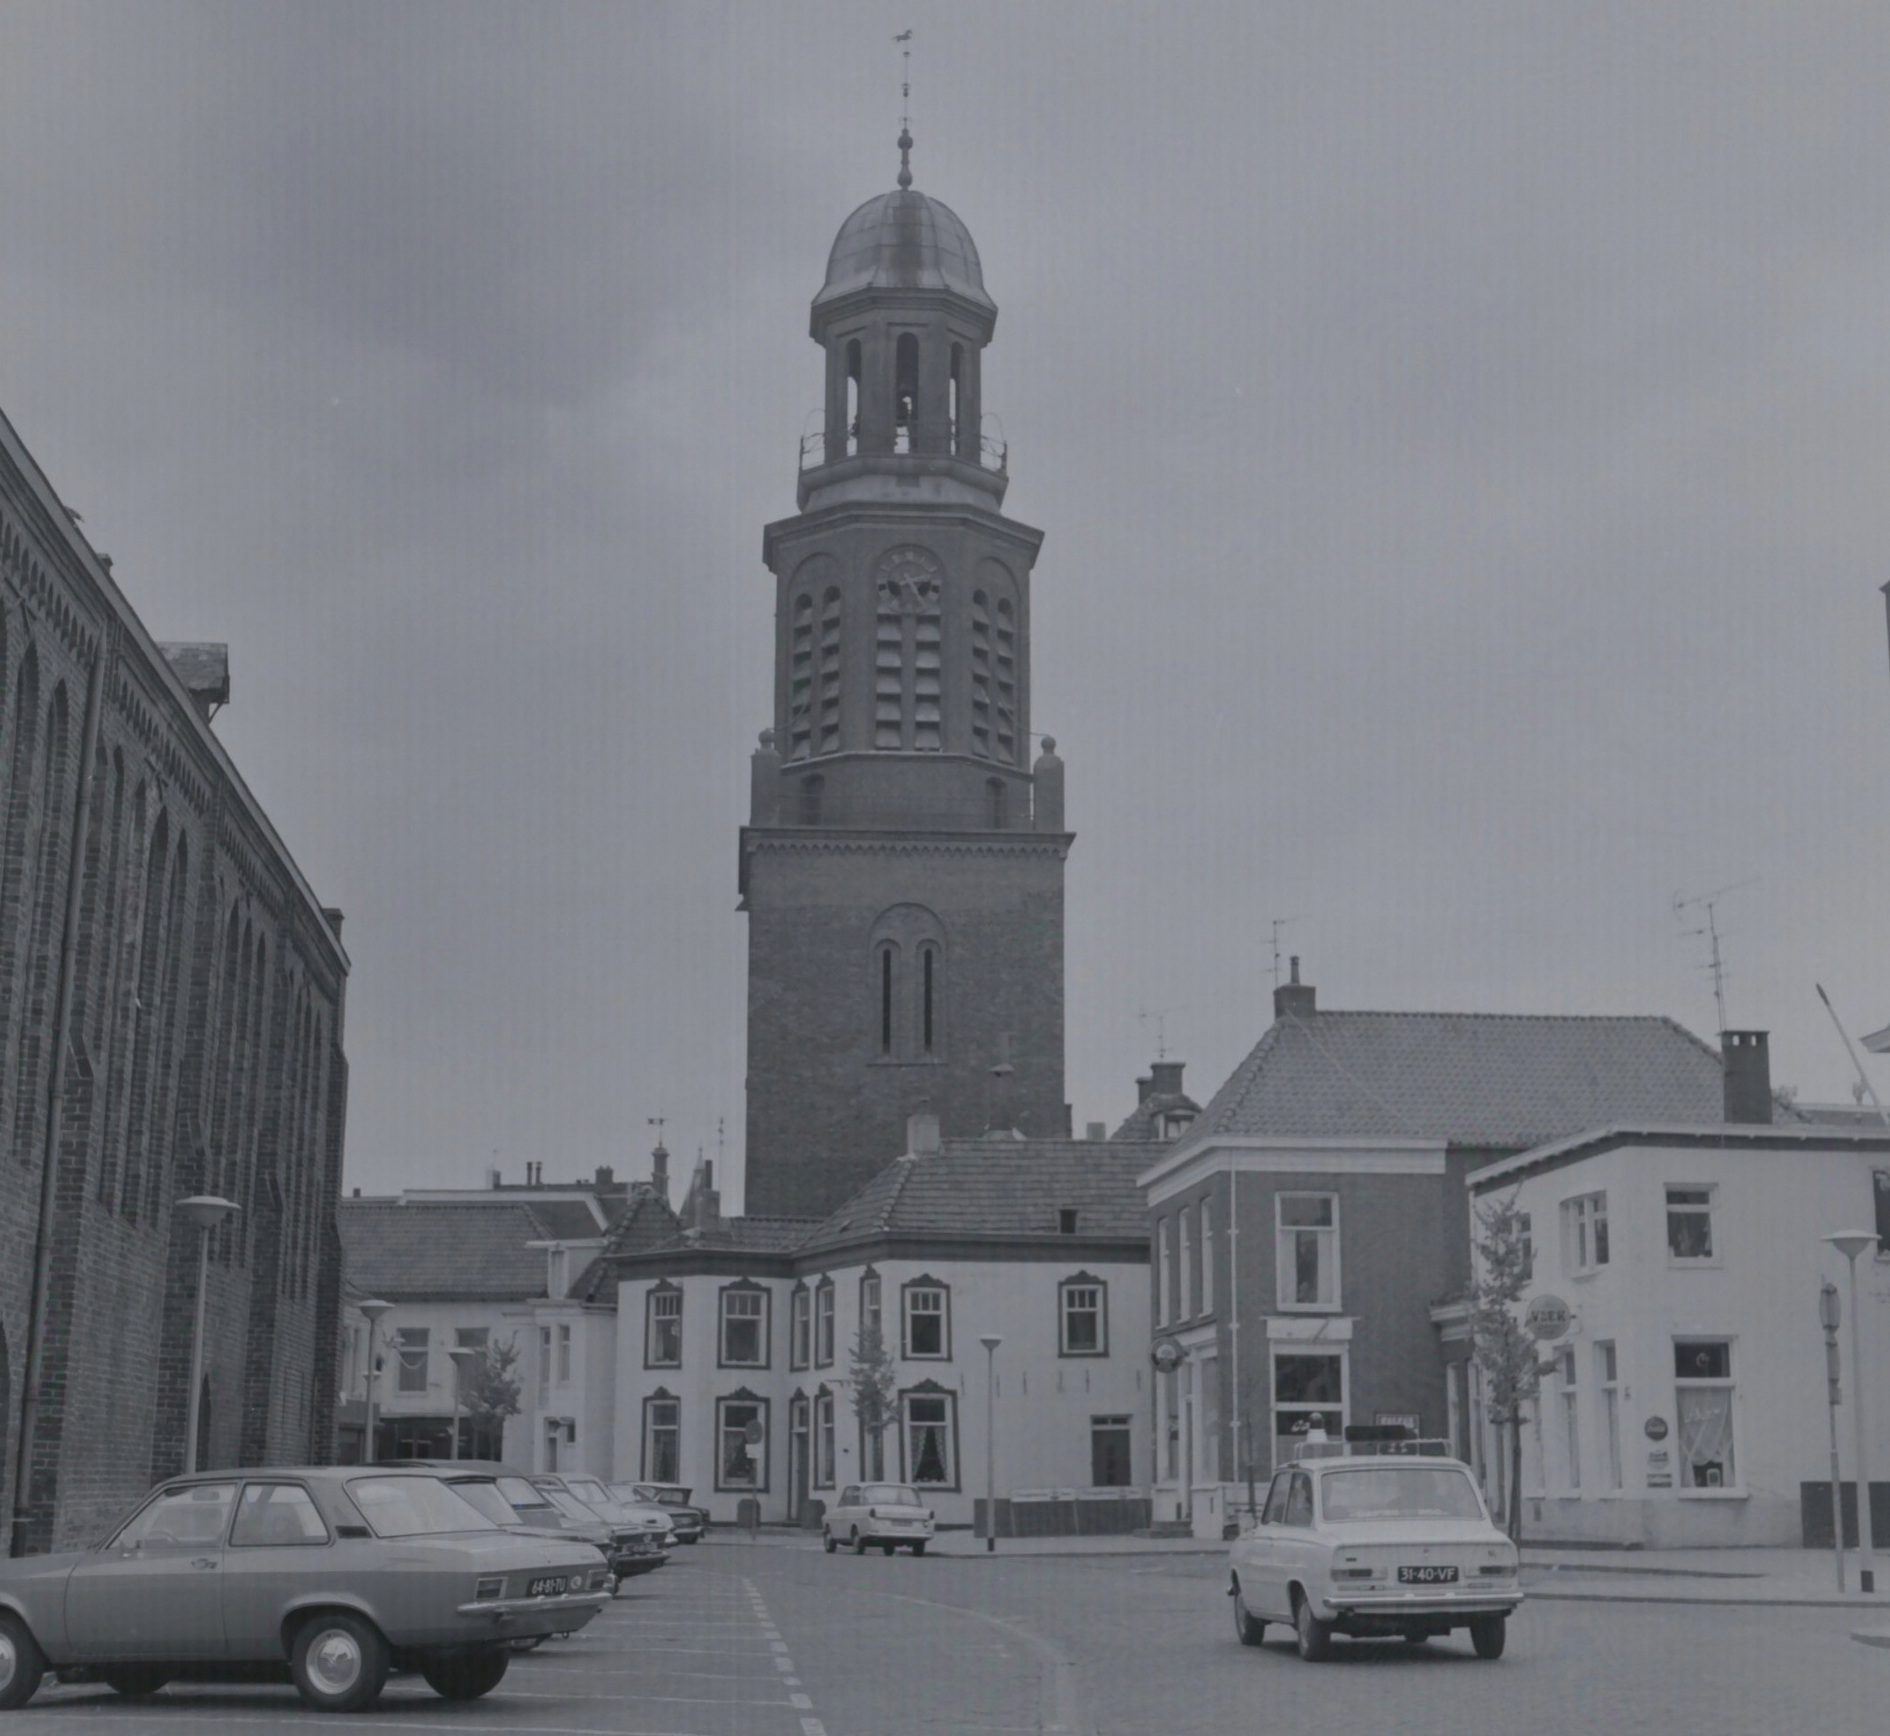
(902,868)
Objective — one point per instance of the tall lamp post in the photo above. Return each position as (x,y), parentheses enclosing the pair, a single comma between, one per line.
(203,1212)
(990,1341)
(461,1354)
(373,1311)
(1850,1244)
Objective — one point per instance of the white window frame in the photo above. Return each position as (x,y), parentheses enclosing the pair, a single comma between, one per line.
(1163,1271)
(1286,1251)
(1726,1383)
(1184,1243)
(1569,1394)
(1585,1241)
(413,1349)
(824,1443)
(1207,1256)
(727,1314)
(908,1454)
(823,1323)
(908,1295)
(654,1318)
(801,1327)
(652,1429)
(1081,1286)
(1608,1415)
(1693,1209)
(564,1354)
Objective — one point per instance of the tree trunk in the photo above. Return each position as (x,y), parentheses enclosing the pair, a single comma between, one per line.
(1515,1480)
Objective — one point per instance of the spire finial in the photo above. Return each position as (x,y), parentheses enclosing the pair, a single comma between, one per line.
(904,39)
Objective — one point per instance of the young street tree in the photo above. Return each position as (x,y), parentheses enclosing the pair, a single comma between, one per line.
(1505,1348)
(875,1385)
(489,1393)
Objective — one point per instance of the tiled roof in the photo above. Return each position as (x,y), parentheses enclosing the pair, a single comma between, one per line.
(996,1188)
(1139,1123)
(569,1220)
(441,1249)
(1474,1079)
(648,1223)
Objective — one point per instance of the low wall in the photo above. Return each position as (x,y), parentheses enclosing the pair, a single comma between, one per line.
(1064,1514)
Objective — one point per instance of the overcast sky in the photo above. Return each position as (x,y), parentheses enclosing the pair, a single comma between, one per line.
(1460,432)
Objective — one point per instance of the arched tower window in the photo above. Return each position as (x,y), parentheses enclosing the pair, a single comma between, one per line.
(905,390)
(981,674)
(1004,675)
(853,396)
(909,640)
(801,677)
(829,666)
(909,959)
(958,369)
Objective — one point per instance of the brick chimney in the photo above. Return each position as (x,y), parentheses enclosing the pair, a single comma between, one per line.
(659,1172)
(1166,1080)
(1293,999)
(1746,1073)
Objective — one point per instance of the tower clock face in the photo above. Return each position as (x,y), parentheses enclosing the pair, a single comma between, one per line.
(908,582)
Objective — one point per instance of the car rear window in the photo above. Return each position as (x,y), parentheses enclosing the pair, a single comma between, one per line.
(1401,1492)
(414,1507)
(484,1494)
(892,1494)
(522,1495)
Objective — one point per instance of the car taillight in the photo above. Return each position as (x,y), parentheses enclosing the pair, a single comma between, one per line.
(1351,1573)
(489,1590)
(600,1578)
(1499,1569)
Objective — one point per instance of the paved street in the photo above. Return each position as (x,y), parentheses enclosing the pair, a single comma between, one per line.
(777,1639)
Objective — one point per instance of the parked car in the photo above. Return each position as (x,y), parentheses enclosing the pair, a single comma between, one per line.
(532,1505)
(1374,1544)
(325,1577)
(889,1514)
(686,1520)
(637,1544)
(641,1526)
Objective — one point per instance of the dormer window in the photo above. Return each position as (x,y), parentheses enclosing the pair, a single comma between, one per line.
(1066,1221)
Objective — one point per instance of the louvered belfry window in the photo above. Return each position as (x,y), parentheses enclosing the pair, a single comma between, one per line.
(801,678)
(909,638)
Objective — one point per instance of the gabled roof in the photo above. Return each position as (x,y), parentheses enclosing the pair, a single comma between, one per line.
(648,1222)
(1471,1079)
(441,1250)
(569,1220)
(985,1189)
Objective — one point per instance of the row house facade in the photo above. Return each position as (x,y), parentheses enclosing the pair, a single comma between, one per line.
(1309,1243)
(740,1340)
(171,1010)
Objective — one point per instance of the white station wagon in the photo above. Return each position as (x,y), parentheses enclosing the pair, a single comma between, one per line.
(889,1514)
(1395,1544)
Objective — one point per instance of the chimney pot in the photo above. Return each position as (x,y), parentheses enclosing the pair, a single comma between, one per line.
(1096,1130)
(1142,1088)
(1292,999)
(1167,1078)
(1746,1072)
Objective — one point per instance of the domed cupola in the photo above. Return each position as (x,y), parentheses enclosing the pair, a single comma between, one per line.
(904,317)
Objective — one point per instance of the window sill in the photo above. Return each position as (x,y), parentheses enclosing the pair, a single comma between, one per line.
(1678,1263)
(1310,1308)
(1585,1274)
(1712,1494)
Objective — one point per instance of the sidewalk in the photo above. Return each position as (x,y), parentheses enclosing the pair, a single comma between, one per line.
(1802,1577)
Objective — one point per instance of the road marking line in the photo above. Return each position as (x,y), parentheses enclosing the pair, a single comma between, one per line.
(802,1701)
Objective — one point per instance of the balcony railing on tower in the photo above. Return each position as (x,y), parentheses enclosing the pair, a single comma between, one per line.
(993,452)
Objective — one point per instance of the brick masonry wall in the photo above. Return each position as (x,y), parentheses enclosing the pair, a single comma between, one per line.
(826,1110)
(145,1079)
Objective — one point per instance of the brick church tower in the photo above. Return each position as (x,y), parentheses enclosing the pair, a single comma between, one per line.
(902,868)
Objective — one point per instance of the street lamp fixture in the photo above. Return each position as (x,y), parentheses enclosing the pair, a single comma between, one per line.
(990,1341)
(203,1212)
(373,1312)
(1851,1243)
(461,1354)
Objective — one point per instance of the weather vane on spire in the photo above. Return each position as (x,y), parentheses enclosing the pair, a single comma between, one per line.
(904,39)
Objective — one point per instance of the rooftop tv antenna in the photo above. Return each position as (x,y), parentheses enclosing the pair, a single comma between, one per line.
(1160,1016)
(1279,922)
(1716,961)
(658,1122)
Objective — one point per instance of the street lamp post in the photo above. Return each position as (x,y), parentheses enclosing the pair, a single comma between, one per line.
(373,1312)
(1850,1244)
(1828,1312)
(203,1212)
(461,1354)
(990,1341)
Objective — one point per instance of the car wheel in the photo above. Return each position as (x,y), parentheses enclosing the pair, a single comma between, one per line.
(1249,1629)
(134,1681)
(1416,1638)
(859,1543)
(528,1643)
(889,1547)
(466,1678)
(22,1663)
(918,1548)
(826,1540)
(339,1662)
(1315,1636)
(1487,1633)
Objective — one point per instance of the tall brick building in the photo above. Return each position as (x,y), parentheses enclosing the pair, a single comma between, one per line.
(170,1023)
(902,868)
